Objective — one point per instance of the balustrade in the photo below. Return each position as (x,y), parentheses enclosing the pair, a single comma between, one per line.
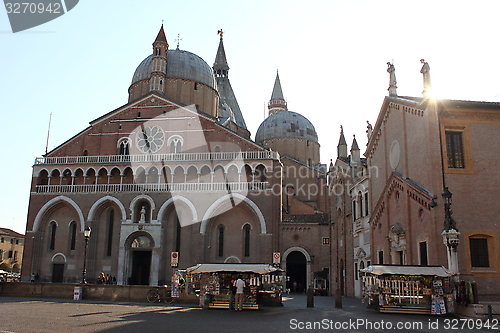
(160,158)
(157,187)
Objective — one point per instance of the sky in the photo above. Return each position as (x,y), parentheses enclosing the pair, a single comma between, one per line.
(331,56)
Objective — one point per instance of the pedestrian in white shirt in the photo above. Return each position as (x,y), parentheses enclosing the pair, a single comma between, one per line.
(239,284)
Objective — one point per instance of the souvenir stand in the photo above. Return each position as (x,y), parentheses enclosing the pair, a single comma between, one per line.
(409,289)
(212,282)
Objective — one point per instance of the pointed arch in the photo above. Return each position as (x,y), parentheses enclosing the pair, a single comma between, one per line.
(50,204)
(55,172)
(167,203)
(212,209)
(179,174)
(43,177)
(205,174)
(102,176)
(99,202)
(115,176)
(128,175)
(166,175)
(153,175)
(219,174)
(232,174)
(90,175)
(79,176)
(140,175)
(192,174)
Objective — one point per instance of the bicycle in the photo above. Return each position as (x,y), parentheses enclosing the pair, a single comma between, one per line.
(156,295)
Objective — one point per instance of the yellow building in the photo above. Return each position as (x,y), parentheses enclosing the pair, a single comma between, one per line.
(11,250)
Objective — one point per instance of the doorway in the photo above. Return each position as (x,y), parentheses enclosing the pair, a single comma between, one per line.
(57,273)
(297,271)
(141,267)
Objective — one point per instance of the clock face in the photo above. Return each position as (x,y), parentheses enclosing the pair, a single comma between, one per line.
(150,139)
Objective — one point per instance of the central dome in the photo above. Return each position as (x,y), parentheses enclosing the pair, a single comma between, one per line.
(286,124)
(180,64)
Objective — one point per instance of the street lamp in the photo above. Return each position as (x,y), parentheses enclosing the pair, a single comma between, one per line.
(450,234)
(86,234)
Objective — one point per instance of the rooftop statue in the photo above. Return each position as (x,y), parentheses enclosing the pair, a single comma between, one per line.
(392,79)
(427,76)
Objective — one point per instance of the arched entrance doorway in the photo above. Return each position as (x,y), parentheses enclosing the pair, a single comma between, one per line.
(140,254)
(296,269)
(58,262)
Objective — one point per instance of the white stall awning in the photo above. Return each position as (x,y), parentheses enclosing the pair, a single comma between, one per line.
(407,270)
(254,268)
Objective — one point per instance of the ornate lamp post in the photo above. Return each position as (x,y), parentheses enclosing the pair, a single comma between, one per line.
(86,234)
(450,234)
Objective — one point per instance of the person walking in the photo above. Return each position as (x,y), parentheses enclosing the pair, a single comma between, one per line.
(239,284)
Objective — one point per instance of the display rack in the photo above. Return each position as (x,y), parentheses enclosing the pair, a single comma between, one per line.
(409,289)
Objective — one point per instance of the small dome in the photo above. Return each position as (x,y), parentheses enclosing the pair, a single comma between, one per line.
(180,64)
(286,124)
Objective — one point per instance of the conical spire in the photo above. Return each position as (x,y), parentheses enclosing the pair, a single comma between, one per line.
(342,141)
(220,65)
(224,88)
(342,146)
(161,36)
(277,102)
(354,145)
(277,92)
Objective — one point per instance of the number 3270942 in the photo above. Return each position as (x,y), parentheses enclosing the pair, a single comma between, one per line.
(32,8)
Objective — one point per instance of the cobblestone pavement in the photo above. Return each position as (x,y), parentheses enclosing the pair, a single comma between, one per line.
(44,315)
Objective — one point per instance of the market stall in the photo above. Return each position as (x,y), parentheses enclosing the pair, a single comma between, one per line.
(409,289)
(213,283)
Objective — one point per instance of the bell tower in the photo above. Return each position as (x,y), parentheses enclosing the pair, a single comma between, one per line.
(157,81)
(277,102)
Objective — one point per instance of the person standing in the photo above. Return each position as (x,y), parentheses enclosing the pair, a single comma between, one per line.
(232,292)
(239,284)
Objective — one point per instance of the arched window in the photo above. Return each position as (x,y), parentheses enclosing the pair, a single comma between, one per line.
(360,200)
(111,218)
(220,247)
(175,143)
(175,146)
(367,207)
(52,228)
(43,177)
(124,147)
(260,173)
(72,232)
(177,235)
(246,236)
(354,210)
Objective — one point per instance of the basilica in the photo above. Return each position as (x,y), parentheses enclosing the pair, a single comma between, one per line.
(175,173)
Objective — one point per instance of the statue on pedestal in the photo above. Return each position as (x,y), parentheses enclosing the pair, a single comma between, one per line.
(392,80)
(143,215)
(369,130)
(427,77)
